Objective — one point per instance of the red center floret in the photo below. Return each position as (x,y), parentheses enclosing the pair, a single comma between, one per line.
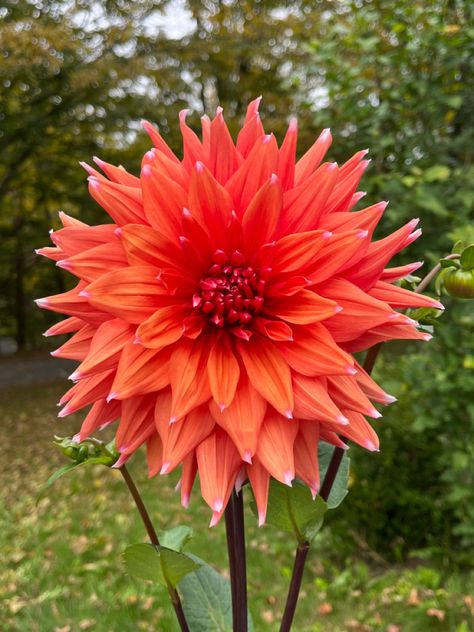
(232,292)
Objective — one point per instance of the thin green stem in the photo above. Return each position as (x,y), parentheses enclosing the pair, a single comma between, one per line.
(150,529)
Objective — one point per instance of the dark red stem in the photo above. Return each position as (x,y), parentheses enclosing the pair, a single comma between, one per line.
(234,522)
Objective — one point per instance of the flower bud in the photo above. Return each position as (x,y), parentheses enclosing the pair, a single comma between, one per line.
(459,282)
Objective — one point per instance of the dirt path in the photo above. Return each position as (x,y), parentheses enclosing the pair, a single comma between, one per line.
(35,367)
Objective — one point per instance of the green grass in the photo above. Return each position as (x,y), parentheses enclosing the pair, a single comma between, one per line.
(61,567)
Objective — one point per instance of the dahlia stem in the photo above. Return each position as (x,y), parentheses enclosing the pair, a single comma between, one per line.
(330,477)
(295,585)
(150,529)
(234,522)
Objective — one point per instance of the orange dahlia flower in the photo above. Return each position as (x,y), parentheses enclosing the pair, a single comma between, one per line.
(216,316)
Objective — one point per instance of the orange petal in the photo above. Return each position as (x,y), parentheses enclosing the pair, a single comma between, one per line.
(181,437)
(132,293)
(92,263)
(397,296)
(164,326)
(268,372)
(243,418)
(188,376)
(86,392)
(252,130)
(313,157)
(223,158)
(140,371)
(260,482)
(218,463)
(117,174)
(312,400)
(78,345)
(65,326)
(223,371)
(192,147)
(305,450)
(286,162)
(158,141)
(259,165)
(101,414)
(187,478)
(347,393)
(273,329)
(146,246)
(261,217)
(163,201)
(304,308)
(314,352)
(74,239)
(275,446)
(106,345)
(136,424)
(154,450)
(122,208)
(371,388)
(295,253)
(340,251)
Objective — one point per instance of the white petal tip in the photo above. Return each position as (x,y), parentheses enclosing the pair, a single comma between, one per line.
(247,456)
(262,516)
(389,399)
(64,412)
(84,294)
(342,419)
(215,519)
(350,370)
(165,468)
(374,413)
(111,396)
(185,500)
(173,420)
(218,505)
(222,407)
(370,445)
(42,302)
(55,353)
(288,477)
(288,414)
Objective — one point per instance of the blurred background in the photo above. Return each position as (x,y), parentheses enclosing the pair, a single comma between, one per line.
(76,78)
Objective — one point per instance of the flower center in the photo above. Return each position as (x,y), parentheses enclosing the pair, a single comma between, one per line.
(231,293)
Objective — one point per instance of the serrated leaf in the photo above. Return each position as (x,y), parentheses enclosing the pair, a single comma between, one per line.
(467,258)
(293,509)
(176,537)
(339,489)
(207,601)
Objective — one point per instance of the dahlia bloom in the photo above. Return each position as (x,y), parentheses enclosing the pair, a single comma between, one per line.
(217,315)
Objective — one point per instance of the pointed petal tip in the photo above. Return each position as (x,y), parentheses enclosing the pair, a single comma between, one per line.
(222,407)
(374,413)
(262,516)
(288,477)
(218,505)
(85,294)
(389,399)
(362,234)
(64,264)
(247,456)
(293,125)
(288,413)
(55,353)
(342,419)
(216,516)
(185,500)
(173,419)
(118,232)
(42,302)
(64,412)
(199,166)
(338,309)
(273,178)
(123,458)
(146,171)
(327,234)
(111,396)
(371,446)
(351,370)
(427,337)
(75,376)
(165,468)
(137,340)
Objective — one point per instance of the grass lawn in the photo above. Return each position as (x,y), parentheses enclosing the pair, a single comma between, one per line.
(62,571)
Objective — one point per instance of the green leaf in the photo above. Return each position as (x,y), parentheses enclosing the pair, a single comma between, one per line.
(467,258)
(54,477)
(157,564)
(437,172)
(143,561)
(207,601)
(176,537)
(293,509)
(339,489)
(175,565)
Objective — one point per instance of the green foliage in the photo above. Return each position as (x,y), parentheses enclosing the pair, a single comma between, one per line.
(158,564)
